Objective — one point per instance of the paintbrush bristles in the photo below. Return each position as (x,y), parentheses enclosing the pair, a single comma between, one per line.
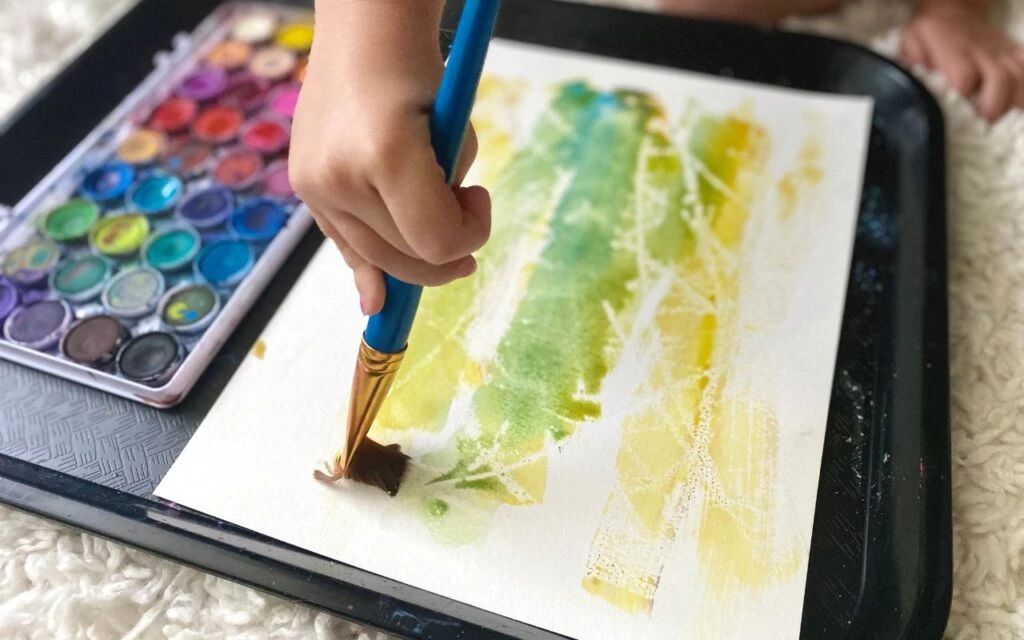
(362,459)
(375,465)
(378,466)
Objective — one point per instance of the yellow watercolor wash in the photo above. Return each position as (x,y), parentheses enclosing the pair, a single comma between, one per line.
(735,536)
(806,175)
(664,459)
(496,102)
(626,599)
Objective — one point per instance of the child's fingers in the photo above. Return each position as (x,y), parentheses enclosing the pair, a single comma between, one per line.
(961,71)
(373,249)
(426,211)
(913,51)
(1016,71)
(474,198)
(373,214)
(997,88)
(369,279)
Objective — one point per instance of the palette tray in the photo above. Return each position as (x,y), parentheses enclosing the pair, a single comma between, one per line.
(128,266)
(880,565)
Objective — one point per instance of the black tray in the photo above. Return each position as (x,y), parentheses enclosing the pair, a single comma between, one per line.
(880,563)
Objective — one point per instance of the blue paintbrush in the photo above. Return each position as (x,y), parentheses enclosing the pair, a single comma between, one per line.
(387,333)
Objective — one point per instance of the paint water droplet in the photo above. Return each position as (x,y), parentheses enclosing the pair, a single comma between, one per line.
(437,508)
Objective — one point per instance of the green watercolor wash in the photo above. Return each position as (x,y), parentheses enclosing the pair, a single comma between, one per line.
(436,358)
(556,347)
(660,202)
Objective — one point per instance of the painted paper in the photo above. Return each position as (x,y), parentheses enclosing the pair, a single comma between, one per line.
(616,425)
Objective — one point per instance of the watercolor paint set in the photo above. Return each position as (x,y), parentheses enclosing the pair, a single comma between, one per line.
(129,265)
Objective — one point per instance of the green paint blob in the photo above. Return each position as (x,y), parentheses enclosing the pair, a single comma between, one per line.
(552,359)
(71,221)
(171,249)
(544,376)
(81,278)
(437,508)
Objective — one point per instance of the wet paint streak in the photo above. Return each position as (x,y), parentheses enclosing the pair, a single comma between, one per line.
(552,360)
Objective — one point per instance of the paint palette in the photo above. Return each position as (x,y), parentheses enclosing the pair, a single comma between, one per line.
(128,267)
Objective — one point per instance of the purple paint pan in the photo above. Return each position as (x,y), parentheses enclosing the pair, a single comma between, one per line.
(8,298)
(38,325)
(207,208)
(204,84)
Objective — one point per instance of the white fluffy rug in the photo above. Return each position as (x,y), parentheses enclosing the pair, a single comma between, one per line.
(56,583)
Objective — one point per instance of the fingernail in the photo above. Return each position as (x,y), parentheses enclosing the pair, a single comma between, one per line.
(362,307)
(468,269)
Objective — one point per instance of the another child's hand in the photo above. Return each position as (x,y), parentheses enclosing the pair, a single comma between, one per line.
(979,61)
(361,157)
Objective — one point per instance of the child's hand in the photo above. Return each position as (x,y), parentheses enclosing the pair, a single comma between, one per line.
(361,157)
(979,61)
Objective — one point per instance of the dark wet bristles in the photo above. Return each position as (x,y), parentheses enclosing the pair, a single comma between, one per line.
(379,466)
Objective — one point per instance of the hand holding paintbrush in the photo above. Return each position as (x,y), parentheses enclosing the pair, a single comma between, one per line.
(361,156)
(420,244)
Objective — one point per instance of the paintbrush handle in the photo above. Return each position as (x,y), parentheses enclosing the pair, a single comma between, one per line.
(388,331)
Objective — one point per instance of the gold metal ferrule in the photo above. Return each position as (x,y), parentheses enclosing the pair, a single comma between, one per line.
(374,375)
